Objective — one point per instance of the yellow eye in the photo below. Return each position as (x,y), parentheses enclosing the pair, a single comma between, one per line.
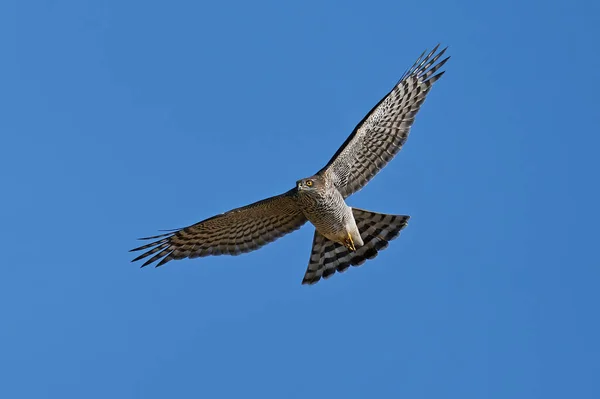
(309,183)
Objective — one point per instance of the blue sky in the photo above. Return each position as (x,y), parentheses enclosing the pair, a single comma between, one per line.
(120,118)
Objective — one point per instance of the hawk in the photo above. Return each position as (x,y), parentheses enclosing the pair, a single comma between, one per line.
(344,236)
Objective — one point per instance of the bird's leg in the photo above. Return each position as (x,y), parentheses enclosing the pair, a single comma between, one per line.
(349,243)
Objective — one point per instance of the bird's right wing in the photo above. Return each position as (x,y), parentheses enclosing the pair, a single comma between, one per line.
(240,230)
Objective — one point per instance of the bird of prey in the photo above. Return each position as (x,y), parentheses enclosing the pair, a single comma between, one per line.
(344,236)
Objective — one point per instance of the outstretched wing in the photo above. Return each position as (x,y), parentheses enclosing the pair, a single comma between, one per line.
(232,233)
(383,131)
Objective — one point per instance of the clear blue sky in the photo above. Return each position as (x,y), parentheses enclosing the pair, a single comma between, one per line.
(119,118)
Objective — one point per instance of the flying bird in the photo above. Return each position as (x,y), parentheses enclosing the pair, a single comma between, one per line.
(344,236)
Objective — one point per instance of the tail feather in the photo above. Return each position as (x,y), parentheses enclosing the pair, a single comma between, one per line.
(376,230)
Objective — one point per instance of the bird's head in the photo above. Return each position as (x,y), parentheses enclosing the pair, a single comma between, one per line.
(310,184)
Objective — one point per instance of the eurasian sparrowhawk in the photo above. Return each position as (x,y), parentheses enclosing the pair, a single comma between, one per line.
(344,236)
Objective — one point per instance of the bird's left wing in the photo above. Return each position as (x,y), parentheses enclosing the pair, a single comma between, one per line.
(232,233)
(382,133)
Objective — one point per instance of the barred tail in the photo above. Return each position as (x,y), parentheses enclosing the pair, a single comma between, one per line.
(376,230)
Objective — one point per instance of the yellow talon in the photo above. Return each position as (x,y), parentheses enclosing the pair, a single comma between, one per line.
(349,243)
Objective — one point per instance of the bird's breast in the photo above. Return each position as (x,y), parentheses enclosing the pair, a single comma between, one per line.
(330,215)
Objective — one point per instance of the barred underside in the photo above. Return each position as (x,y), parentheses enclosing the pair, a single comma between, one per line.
(384,130)
(376,230)
(238,231)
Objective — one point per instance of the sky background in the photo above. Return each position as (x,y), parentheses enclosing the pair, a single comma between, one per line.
(120,118)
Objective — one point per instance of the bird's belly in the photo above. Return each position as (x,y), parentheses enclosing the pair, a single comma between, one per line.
(332,225)
(335,232)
